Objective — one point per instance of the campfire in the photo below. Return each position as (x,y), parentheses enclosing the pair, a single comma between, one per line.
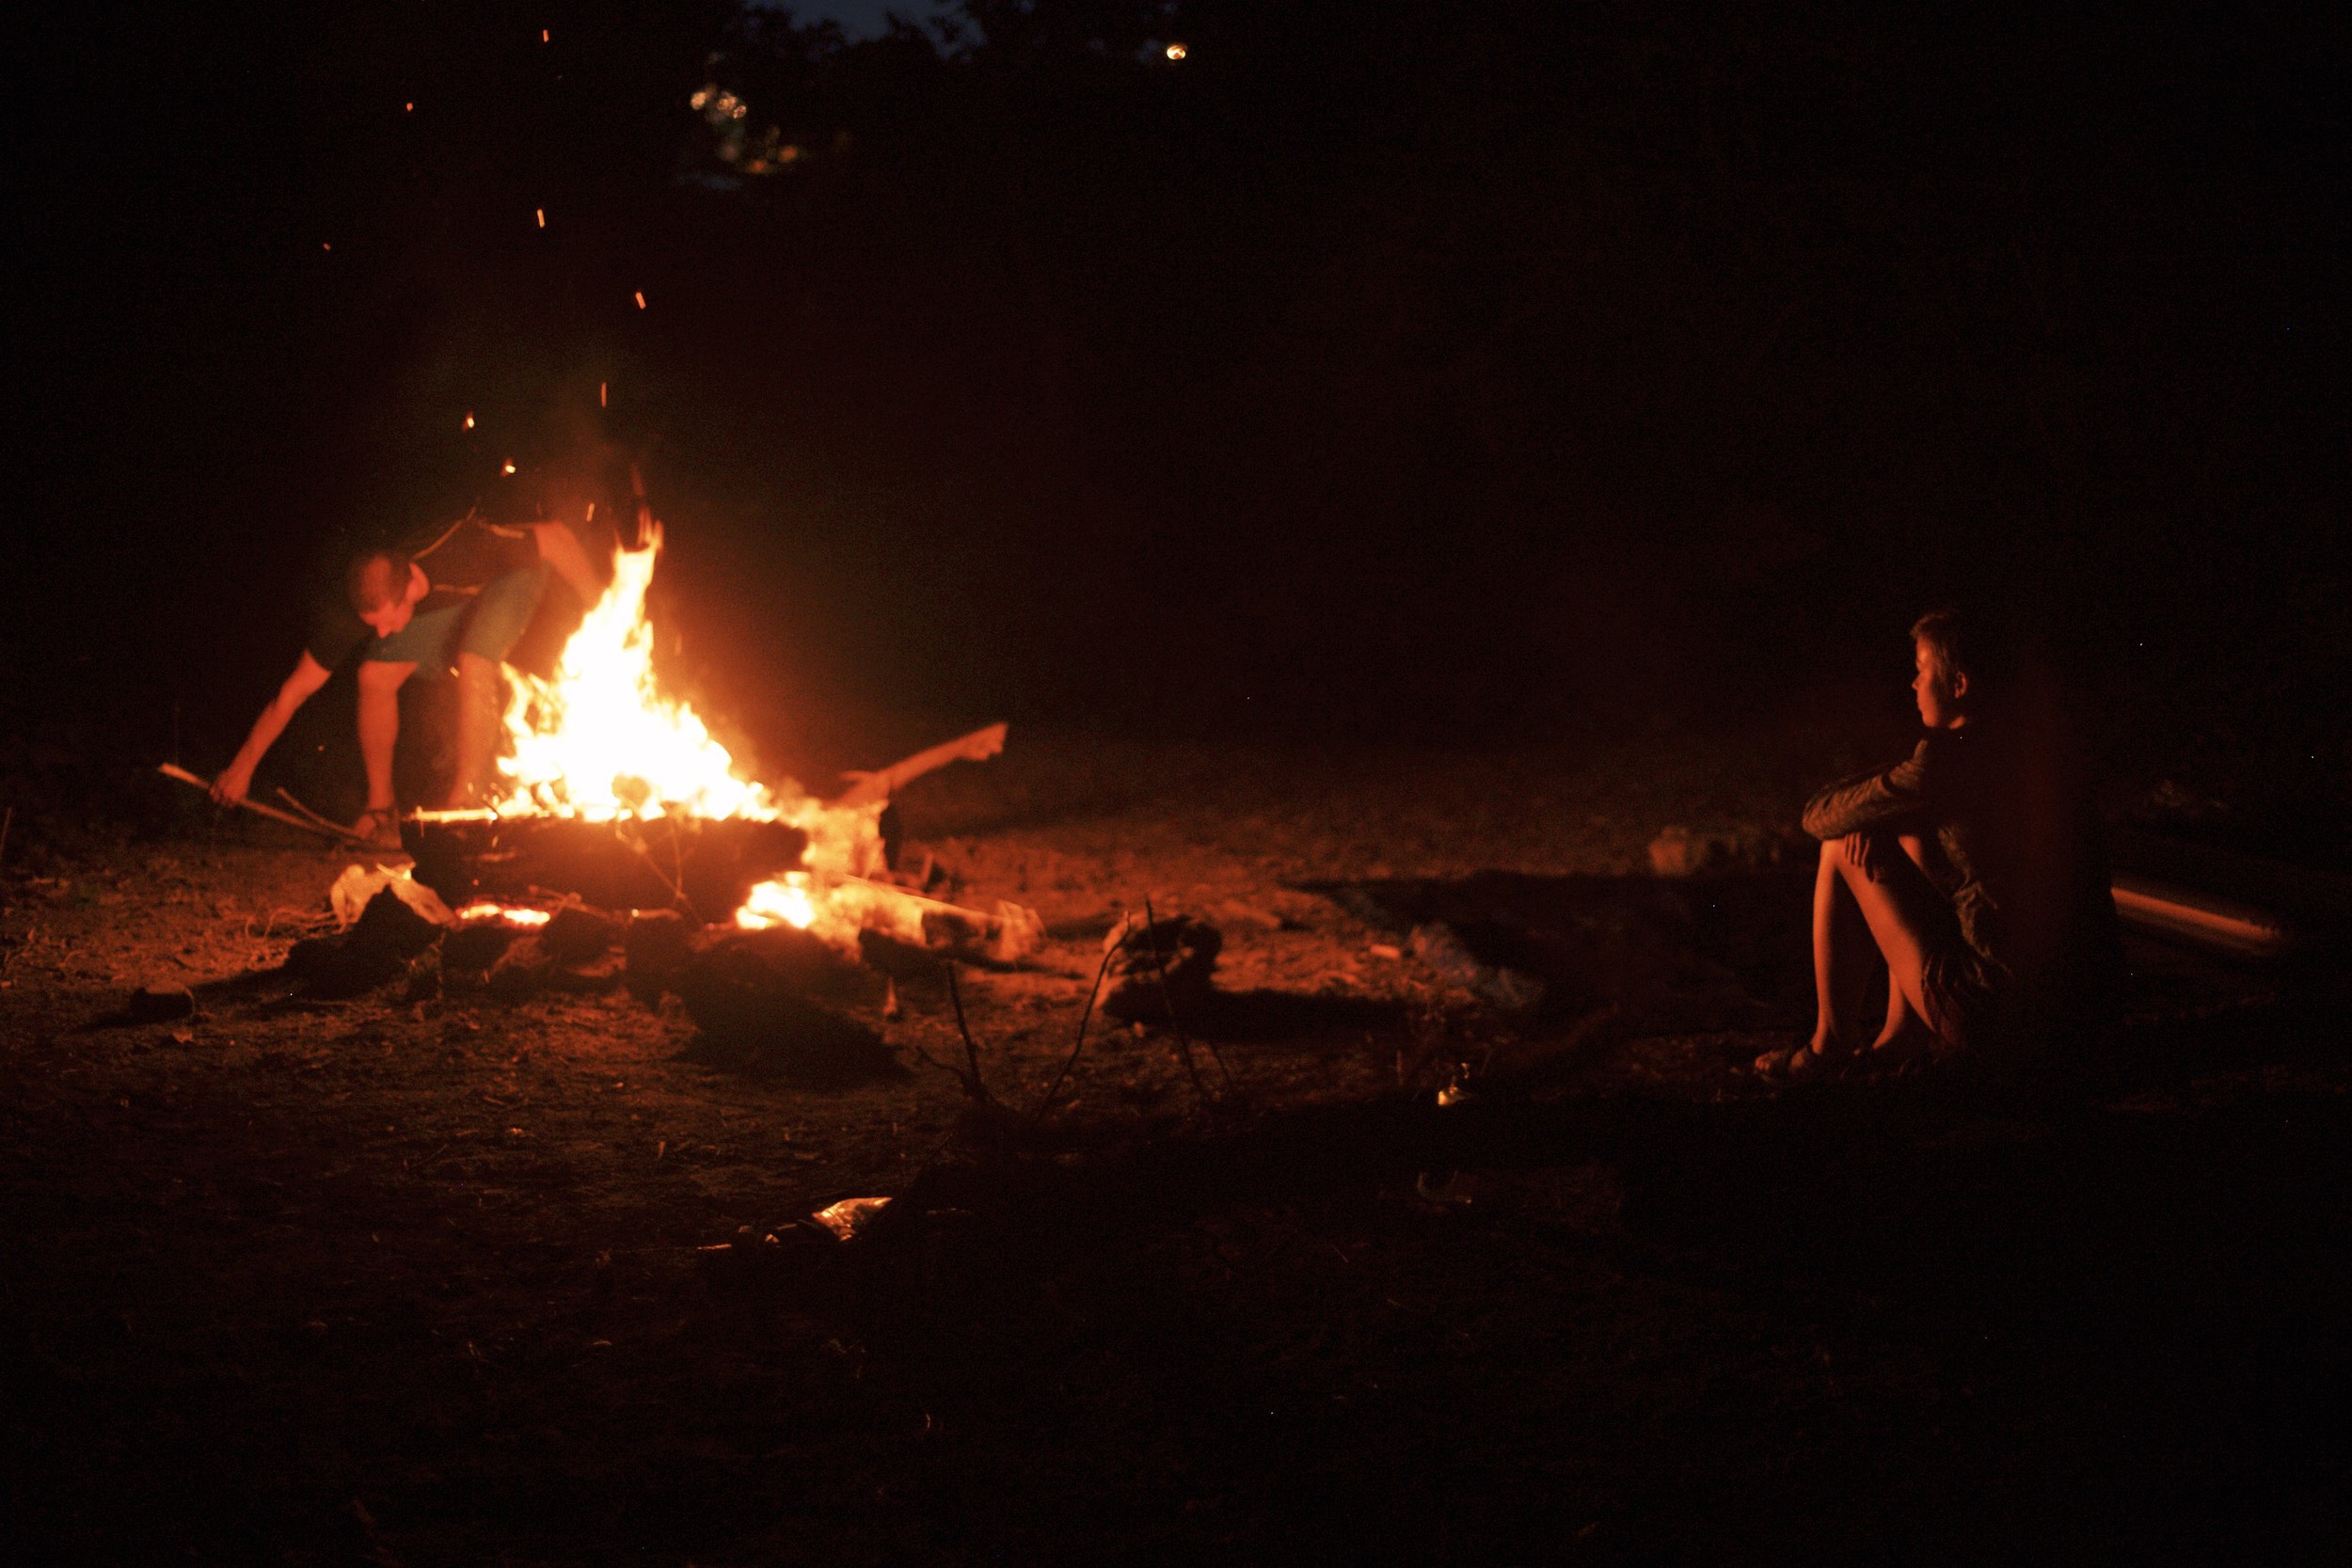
(615,793)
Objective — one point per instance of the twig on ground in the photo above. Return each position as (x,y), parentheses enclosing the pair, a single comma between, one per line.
(1167,999)
(973,1085)
(296,918)
(930,1061)
(1071,1060)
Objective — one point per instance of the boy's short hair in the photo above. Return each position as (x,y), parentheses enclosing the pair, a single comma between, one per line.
(376,579)
(1965,644)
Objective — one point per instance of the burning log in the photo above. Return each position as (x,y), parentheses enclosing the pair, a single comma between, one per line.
(943,929)
(707,865)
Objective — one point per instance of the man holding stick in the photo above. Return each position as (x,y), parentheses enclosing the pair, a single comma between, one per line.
(456,596)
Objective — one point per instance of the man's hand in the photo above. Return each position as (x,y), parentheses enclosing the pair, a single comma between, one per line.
(234,782)
(235,779)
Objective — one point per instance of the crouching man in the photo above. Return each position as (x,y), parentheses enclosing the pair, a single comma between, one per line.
(1973,871)
(456,597)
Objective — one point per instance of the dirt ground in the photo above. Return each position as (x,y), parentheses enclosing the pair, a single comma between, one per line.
(425,1278)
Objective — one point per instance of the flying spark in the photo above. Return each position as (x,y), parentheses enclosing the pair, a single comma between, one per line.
(543,216)
(469,419)
(641,299)
(508,470)
(1176,51)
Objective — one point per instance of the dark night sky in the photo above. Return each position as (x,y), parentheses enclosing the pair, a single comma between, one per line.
(1476,370)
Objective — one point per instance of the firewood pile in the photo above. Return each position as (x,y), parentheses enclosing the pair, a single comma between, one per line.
(569,904)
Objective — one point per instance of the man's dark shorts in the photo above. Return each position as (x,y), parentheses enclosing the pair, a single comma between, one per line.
(489,624)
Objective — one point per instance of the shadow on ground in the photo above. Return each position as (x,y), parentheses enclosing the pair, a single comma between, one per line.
(2099,1309)
(1719,952)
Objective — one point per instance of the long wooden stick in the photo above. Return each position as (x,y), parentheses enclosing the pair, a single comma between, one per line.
(343,836)
(866,788)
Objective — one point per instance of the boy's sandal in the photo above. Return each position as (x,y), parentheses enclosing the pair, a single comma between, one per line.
(1797,1064)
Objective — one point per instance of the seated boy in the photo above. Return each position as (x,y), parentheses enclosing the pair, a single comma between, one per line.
(1973,869)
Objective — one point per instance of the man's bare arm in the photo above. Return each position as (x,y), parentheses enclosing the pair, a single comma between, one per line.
(235,779)
(560,549)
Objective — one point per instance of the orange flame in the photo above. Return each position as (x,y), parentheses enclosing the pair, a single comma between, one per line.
(603,741)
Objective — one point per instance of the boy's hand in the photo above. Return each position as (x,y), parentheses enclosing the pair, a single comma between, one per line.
(1871,851)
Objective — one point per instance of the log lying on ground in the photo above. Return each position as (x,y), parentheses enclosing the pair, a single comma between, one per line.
(705,865)
(2220,899)
(578,950)
(885,909)
(2201,919)
(379,947)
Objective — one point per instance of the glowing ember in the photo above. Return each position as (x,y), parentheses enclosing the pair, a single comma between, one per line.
(502,911)
(783,903)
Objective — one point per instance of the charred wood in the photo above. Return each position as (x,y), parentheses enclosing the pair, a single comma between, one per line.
(706,867)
